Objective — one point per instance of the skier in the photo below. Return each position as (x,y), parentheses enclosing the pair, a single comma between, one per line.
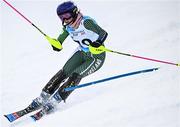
(86,60)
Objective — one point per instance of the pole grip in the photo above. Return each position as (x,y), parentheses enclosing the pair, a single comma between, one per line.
(24,17)
(17,11)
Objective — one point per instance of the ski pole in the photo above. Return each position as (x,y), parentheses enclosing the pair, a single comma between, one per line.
(110,78)
(50,40)
(140,57)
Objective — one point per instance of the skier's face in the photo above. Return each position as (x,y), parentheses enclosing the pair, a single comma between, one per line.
(66,18)
(68,21)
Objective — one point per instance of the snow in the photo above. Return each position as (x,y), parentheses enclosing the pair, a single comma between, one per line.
(145,28)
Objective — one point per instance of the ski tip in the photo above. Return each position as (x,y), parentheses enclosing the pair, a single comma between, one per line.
(10,117)
(33,118)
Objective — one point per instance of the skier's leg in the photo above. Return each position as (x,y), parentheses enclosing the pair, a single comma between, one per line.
(57,79)
(83,64)
(48,90)
(71,64)
(60,95)
(78,66)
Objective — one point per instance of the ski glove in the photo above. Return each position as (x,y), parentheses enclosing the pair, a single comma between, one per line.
(54,43)
(95,44)
(96,48)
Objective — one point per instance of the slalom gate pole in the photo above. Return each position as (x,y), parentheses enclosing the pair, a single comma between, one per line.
(49,39)
(24,17)
(140,57)
(110,78)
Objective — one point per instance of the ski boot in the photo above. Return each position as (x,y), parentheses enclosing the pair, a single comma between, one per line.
(39,101)
(51,104)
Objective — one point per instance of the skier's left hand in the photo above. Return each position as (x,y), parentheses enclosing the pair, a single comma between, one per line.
(96,48)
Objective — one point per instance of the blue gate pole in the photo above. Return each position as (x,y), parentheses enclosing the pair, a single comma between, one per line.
(110,78)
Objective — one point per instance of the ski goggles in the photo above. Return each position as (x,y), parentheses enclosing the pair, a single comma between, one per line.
(65,16)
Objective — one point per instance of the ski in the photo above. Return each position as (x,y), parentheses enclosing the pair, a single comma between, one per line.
(110,78)
(16,115)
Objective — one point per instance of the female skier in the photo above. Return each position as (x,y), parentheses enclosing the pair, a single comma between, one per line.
(86,60)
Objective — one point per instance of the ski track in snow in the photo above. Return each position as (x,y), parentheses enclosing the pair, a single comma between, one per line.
(149,29)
